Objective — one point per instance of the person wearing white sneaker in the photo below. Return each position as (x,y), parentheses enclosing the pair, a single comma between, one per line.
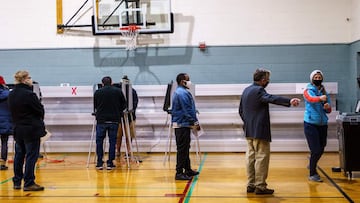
(315,178)
(109,103)
(317,106)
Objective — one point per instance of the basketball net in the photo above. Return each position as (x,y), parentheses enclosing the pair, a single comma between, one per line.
(129,34)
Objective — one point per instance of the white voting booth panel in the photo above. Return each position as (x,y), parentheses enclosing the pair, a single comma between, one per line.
(68,116)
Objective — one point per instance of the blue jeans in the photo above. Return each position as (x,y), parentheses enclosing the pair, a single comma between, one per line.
(316,137)
(30,152)
(101,130)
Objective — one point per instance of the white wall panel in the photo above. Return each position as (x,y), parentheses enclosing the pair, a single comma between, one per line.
(32,24)
(68,117)
(355,20)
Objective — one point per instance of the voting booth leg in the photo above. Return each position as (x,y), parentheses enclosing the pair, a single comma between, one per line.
(124,130)
(135,138)
(44,149)
(197,148)
(91,143)
(132,157)
(168,144)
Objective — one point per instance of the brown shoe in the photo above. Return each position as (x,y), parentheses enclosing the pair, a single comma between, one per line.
(250,189)
(34,187)
(264,191)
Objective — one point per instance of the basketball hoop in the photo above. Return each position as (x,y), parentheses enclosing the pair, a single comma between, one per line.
(129,35)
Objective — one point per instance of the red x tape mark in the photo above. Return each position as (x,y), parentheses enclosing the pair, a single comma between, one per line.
(73,90)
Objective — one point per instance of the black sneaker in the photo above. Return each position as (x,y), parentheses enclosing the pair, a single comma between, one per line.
(264,191)
(192,173)
(250,189)
(3,167)
(182,176)
(34,187)
(110,167)
(17,187)
(99,167)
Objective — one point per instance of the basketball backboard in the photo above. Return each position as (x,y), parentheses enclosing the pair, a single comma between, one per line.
(151,16)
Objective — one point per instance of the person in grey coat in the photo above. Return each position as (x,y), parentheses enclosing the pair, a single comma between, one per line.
(254,111)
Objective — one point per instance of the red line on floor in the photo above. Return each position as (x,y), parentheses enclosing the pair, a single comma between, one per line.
(183,194)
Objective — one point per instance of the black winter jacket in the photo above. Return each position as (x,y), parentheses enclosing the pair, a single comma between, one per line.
(27,113)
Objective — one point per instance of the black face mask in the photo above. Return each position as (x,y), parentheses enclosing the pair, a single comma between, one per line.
(266,84)
(317,82)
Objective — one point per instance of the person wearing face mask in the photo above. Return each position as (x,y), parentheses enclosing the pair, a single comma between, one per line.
(317,105)
(183,120)
(254,111)
(27,114)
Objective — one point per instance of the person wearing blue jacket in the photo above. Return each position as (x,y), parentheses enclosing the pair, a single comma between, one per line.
(317,106)
(5,123)
(184,118)
(254,111)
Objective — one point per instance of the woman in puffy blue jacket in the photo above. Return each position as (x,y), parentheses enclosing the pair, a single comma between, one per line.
(317,106)
(5,123)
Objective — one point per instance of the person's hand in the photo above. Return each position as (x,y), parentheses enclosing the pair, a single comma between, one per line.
(295,101)
(197,127)
(323,98)
(327,106)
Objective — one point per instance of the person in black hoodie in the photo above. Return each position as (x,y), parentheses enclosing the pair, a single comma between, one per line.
(109,104)
(28,119)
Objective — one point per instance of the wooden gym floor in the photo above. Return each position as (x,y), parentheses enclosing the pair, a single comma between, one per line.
(222,179)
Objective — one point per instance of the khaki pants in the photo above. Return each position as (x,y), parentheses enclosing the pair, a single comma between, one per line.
(257,162)
(120,134)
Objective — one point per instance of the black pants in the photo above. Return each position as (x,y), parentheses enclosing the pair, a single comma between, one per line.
(4,147)
(183,146)
(316,137)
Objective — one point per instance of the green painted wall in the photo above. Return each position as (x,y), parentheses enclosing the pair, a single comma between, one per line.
(216,65)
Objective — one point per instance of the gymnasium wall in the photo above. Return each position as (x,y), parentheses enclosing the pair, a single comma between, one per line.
(217,65)
(32,24)
(289,37)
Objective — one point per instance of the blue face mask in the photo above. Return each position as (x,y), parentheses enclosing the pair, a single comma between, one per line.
(317,82)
